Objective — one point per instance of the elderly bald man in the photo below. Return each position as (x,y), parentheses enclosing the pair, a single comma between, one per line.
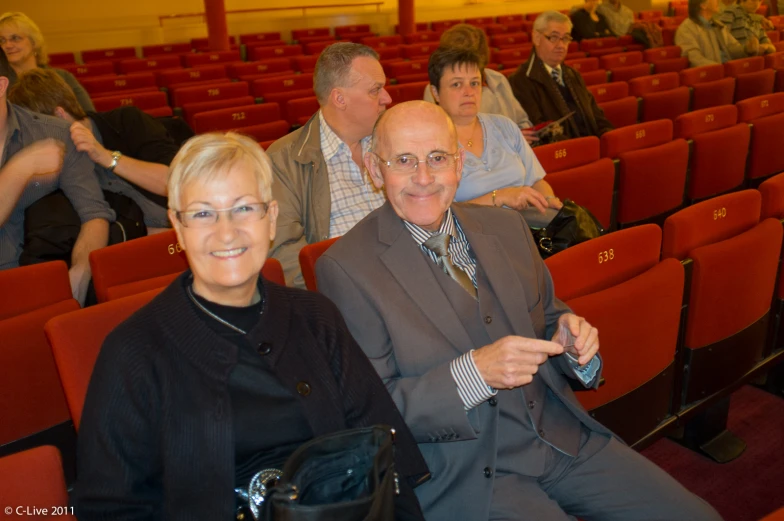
(455,309)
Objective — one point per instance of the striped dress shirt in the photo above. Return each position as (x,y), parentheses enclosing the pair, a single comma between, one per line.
(471,387)
(76,179)
(352,194)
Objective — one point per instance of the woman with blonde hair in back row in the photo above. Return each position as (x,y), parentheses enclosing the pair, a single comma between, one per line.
(24,47)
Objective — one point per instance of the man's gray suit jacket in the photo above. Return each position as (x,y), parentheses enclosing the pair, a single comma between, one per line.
(400,316)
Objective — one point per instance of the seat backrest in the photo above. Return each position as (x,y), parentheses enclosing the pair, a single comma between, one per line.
(772,191)
(296,34)
(653,83)
(590,185)
(297,109)
(96,55)
(609,91)
(709,222)
(635,137)
(234,117)
(86,70)
(760,106)
(632,298)
(775,60)
(662,53)
(267,86)
(119,83)
(139,259)
(583,64)
(598,43)
(735,68)
(621,59)
(132,65)
(164,49)
(32,480)
(701,74)
(273,271)
(211,92)
(605,261)
(259,37)
(264,52)
(33,287)
(622,112)
(173,77)
(76,339)
(144,101)
(266,131)
(705,120)
(308,256)
(567,154)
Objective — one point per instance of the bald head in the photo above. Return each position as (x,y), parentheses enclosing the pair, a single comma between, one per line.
(408,115)
(417,159)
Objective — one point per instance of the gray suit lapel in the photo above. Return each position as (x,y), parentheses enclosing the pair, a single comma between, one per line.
(409,267)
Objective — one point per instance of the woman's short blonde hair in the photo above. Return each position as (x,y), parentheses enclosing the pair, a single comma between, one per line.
(28,27)
(206,156)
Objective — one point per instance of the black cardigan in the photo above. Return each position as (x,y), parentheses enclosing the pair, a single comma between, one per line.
(585,28)
(156,437)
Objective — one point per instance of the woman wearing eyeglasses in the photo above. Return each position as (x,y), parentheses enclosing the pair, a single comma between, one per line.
(24,47)
(550,89)
(223,374)
(500,168)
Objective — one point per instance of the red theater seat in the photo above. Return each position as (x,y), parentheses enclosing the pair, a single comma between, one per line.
(296,34)
(595,77)
(718,151)
(203,44)
(259,53)
(621,59)
(308,256)
(76,338)
(576,172)
(418,51)
(140,82)
(32,480)
(259,37)
(211,92)
(300,110)
(421,36)
(766,115)
(235,117)
(583,65)
(167,79)
(609,91)
(149,51)
(266,131)
(652,170)
(210,58)
(730,290)
(58,59)
(619,285)
(158,63)
(189,110)
(90,69)
(261,68)
(660,95)
(598,43)
(31,398)
(97,55)
(383,41)
(347,31)
(267,86)
(144,101)
(442,25)
(621,112)
(506,41)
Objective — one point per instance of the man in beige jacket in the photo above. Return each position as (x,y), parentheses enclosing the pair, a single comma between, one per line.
(706,41)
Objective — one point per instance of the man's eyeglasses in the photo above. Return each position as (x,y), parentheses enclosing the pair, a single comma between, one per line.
(15,38)
(554,38)
(407,163)
(240,213)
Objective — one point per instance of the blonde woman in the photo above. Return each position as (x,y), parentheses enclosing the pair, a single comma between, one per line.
(224,373)
(24,47)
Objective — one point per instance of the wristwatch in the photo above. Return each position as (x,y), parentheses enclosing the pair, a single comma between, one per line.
(116,155)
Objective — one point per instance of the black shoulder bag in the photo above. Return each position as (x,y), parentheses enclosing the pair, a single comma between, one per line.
(344,476)
(572,225)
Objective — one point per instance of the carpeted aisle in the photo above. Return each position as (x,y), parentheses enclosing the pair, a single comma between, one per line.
(749,487)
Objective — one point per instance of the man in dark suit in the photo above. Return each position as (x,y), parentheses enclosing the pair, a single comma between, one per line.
(550,89)
(456,311)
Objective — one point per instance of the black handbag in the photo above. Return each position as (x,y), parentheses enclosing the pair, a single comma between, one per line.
(344,476)
(572,225)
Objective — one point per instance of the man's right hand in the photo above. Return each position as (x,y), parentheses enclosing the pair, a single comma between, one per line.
(513,360)
(752,46)
(44,157)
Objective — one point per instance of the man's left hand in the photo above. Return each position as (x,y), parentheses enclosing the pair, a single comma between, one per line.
(80,281)
(586,337)
(85,141)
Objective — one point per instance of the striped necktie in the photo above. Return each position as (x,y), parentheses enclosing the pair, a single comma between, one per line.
(439,244)
(556,74)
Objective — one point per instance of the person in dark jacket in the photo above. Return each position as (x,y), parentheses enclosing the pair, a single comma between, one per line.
(588,23)
(223,374)
(131,149)
(550,90)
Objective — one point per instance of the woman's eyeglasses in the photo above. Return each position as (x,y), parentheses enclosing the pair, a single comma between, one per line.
(240,213)
(408,163)
(14,38)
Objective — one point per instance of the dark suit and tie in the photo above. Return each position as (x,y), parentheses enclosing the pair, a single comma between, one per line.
(526,453)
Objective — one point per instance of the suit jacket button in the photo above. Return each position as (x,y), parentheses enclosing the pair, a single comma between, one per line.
(488,472)
(264,348)
(492,401)
(488,319)
(531,404)
(303,388)
(541,433)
